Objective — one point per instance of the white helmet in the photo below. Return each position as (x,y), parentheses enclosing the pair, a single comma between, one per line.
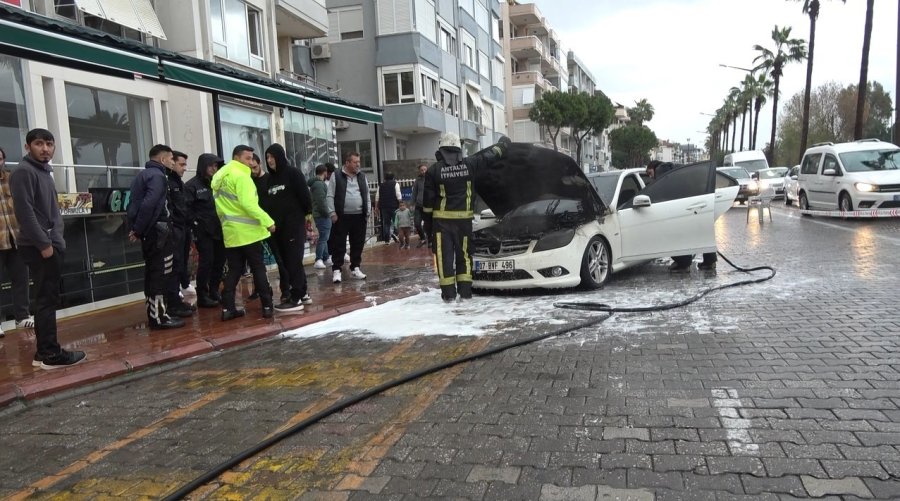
(450,140)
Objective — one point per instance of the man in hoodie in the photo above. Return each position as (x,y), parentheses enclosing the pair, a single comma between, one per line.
(207,230)
(181,239)
(318,190)
(288,202)
(41,243)
(418,199)
(150,222)
(244,227)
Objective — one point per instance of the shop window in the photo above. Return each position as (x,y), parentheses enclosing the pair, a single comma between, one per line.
(399,87)
(309,141)
(242,125)
(13,121)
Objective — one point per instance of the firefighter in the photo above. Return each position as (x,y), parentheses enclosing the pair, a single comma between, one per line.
(448,211)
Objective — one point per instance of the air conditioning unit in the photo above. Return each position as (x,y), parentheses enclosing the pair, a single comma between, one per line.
(479,129)
(320,51)
(341,125)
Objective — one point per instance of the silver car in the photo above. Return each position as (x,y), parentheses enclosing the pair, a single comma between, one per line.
(791,185)
(771,178)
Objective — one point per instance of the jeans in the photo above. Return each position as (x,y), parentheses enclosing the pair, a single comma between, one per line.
(18,276)
(46,274)
(324,226)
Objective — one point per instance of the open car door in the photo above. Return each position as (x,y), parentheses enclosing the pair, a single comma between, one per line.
(672,216)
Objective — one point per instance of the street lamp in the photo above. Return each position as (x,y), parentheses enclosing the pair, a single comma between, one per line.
(736,68)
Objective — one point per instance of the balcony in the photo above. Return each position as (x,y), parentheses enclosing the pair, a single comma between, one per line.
(531,77)
(414,118)
(301,18)
(526,47)
(528,17)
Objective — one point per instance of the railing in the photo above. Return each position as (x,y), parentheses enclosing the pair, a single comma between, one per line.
(530,77)
(526,42)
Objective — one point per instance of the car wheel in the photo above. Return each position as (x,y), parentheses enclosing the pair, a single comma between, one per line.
(595,265)
(804,203)
(845,203)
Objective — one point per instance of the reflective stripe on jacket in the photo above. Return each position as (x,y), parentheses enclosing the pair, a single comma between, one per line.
(237,204)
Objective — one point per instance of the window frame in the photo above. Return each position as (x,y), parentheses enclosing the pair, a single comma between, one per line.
(825,164)
(811,164)
(468,54)
(401,97)
(668,188)
(446,30)
(453,91)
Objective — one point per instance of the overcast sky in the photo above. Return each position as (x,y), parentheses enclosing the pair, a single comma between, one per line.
(668,51)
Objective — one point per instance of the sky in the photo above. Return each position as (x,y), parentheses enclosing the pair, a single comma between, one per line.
(669,51)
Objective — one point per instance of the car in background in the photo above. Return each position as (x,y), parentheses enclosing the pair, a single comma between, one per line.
(862,174)
(748,186)
(558,228)
(771,178)
(751,161)
(791,185)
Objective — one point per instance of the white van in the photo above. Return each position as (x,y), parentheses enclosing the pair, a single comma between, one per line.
(751,161)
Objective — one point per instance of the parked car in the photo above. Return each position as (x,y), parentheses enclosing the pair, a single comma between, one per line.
(771,178)
(749,186)
(558,228)
(863,174)
(791,185)
(751,161)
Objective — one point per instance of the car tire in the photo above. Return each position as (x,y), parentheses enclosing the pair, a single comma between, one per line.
(804,203)
(845,203)
(596,263)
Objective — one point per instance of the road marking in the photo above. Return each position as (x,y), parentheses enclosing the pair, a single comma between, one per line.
(791,214)
(96,456)
(727,403)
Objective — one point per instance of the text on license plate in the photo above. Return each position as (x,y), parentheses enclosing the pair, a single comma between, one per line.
(501,265)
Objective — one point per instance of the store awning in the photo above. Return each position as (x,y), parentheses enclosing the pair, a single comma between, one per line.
(46,46)
(215,82)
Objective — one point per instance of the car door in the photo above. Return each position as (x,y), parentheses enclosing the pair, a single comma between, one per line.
(809,176)
(727,189)
(679,219)
(829,185)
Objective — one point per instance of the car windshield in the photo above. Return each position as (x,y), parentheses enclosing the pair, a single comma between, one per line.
(736,172)
(549,207)
(606,186)
(861,161)
(753,165)
(772,173)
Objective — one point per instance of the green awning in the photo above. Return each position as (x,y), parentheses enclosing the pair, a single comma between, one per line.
(215,82)
(341,111)
(70,51)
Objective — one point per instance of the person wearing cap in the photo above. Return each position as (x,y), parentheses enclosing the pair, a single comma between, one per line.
(448,211)
(207,230)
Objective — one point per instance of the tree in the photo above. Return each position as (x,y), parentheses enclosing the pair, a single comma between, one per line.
(762,89)
(810,8)
(642,112)
(550,111)
(591,114)
(876,110)
(787,50)
(631,144)
(864,72)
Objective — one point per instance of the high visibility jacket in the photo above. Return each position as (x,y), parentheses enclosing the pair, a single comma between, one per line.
(237,204)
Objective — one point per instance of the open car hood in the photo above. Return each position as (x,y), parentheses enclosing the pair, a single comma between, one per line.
(528,173)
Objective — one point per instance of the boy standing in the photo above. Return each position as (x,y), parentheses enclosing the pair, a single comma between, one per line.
(403,221)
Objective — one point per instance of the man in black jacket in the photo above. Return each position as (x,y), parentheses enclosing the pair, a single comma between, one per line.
(348,194)
(288,202)
(207,230)
(181,238)
(388,203)
(418,199)
(149,220)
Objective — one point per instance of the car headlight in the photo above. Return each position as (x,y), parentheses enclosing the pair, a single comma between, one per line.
(763,185)
(555,240)
(753,185)
(866,187)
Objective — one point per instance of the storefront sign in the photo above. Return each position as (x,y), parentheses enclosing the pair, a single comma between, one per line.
(111,199)
(73,204)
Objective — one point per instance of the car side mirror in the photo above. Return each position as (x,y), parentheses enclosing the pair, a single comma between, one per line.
(829,172)
(640,201)
(794,177)
(755,175)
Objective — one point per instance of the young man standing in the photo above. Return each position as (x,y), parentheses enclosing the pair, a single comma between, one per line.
(318,190)
(9,252)
(181,238)
(41,243)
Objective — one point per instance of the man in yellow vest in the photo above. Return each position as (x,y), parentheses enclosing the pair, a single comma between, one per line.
(244,227)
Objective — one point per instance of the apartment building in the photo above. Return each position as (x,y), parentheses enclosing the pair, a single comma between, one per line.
(434,66)
(537,64)
(111,78)
(594,148)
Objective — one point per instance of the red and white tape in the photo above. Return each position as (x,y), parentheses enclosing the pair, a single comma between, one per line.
(854,213)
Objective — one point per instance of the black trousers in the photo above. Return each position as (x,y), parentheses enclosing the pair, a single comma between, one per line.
(453,246)
(18,277)
(287,245)
(184,273)
(418,222)
(252,255)
(387,221)
(158,248)
(179,262)
(210,264)
(46,274)
(354,227)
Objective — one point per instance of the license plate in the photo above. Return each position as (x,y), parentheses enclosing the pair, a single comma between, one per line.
(502,265)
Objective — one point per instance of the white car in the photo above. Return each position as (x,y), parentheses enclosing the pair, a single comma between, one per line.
(864,174)
(773,178)
(557,228)
(791,185)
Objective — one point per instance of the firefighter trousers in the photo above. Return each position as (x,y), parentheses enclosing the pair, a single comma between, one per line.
(453,248)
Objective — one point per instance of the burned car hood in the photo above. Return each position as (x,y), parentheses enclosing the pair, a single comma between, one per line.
(529,173)
(532,220)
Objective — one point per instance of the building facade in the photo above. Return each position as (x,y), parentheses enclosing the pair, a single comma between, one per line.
(581,80)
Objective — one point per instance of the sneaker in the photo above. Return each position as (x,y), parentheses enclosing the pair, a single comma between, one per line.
(329,262)
(189,290)
(232,314)
(320,265)
(357,273)
(166,323)
(62,359)
(182,309)
(268,312)
(336,276)
(253,296)
(289,306)
(306,299)
(36,361)
(25,323)
(207,302)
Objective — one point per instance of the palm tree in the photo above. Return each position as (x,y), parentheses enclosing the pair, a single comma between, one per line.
(733,100)
(762,89)
(787,50)
(810,8)
(746,99)
(864,72)
(642,112)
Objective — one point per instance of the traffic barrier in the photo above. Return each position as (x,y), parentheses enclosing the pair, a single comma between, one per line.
(853,213)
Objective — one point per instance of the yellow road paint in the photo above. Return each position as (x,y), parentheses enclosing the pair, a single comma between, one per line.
(49,481)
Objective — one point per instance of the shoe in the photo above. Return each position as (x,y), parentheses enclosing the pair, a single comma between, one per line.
(707,266)
(286,298)
(306,299)
(268,312)
(1,332)
(215,296)
(253,296)
(329,262)
(394,237)
(25,323)
(36,361)
(232,314)
(207,302)
(166,323)
(181,309)
(189,290)
(289,306)
(319,265)
(357,274)
(677,268)
(336,276)
(62,359)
